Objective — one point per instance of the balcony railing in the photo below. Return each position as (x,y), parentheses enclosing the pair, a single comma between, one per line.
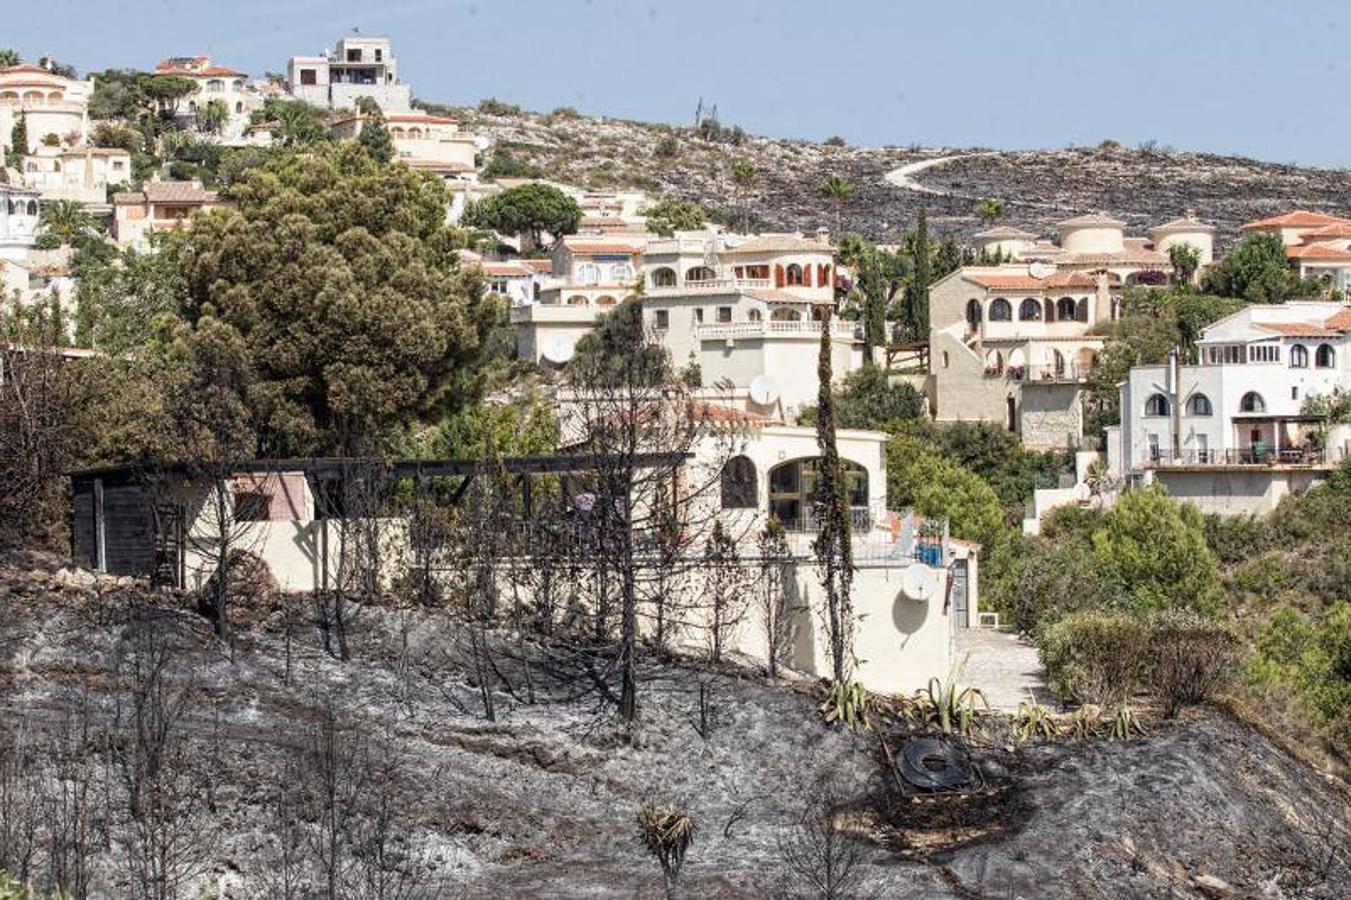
(776,328)
(1246,456)
(709,286)
(1068,374)
(880,536)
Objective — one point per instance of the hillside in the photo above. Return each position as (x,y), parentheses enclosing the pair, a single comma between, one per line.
(1144,186)
(541,801)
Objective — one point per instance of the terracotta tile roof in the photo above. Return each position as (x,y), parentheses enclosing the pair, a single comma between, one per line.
(584,245)
(168,192)
(538,265)
(1335,230)
(1004,231)
(1186,223)
(1297,329)
(1340,321)
(195,67)
(1318,251)
(1028,283)
(1300,217)
(507,269)
(780,243)
(1097,220)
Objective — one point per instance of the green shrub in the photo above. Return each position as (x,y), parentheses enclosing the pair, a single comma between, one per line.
(1234,539)
(1313,658)
(1266,576)
(1095,657)
(1190,658)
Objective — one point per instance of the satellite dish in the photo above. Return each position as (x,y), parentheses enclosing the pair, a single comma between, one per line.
(919,582)
(557,350)
(1040,270)
(764,390)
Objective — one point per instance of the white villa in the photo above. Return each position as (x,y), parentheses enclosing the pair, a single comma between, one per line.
(49,104)
(358,66)
(214,82)
(82,174)
(1232,433)
(18,220)
(1316,244)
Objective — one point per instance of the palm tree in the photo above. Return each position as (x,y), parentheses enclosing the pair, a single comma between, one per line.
(8,58)
(991,210)
(837,190)
(743,176)
(212,116)
(66,219)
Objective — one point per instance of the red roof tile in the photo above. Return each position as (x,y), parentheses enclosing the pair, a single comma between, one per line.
(1318,251)
(1300,217)
(1028,283)
(1337,229)
(1297,329)
(1340,322)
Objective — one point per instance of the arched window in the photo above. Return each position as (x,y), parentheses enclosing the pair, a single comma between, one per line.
(1000,310)
(793,274)
(739,486)
(588,273)
(973,313)
(664,277)
(1299,356)
(32,207)
(1065,309)
(753,315)
(1029,311)
(576,300)
(621,272)
(215,84)
(1324,357)
(1156,405)
(606,300)
(700,273)
(239,106)
(1199,405)
(11,207)
(786,314)
(1252,402)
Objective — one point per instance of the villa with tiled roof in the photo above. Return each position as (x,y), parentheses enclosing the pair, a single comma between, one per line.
(158,206)
(228,86)
(1318,245)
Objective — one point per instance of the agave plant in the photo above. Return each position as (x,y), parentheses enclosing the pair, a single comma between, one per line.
(950,706)
(1035,720)
(667,831)
(848,703)
(1126,724)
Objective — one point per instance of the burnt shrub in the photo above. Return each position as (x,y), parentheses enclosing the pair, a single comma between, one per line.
(1190,658)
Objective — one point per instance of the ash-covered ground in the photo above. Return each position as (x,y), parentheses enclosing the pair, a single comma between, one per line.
(427,797)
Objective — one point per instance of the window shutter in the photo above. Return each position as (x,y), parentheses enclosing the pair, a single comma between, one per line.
(778,276)
(807,275)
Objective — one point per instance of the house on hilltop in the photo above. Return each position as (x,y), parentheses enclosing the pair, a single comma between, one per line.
(357,66)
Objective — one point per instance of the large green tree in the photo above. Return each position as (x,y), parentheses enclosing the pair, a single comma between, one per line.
(669,215)
(1153,549)
(375,137)
(341,280)
(530,209)
(1257,270)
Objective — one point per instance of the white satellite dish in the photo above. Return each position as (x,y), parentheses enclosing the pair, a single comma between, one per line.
(557,350)
(919,582)
(1040,270)
(764,390)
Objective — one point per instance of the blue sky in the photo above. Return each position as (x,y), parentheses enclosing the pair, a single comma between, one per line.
(1259,79)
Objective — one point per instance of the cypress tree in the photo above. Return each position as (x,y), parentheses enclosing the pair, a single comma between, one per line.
(18,138)
(834,553)
(375,138)
(919,284)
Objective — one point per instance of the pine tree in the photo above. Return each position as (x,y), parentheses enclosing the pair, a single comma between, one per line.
(834,553)
(375,138)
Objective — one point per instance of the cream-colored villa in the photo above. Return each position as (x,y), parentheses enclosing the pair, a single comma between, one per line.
(589,277)
(1014,344)
(82,174)
(50,104)
(422,141)
(214,83)
(912,588)
(19,213)
(1316,244)
(158,206)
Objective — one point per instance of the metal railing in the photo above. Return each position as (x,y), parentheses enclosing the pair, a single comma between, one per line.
(709,286)
(770,327)
(1246,456)
(1052,374)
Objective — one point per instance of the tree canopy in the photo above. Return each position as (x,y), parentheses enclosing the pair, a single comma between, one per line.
(1258,271)
(528,209)
(669,215)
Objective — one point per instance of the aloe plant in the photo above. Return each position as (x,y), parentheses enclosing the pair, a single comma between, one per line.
(1035,720)
(952,707)
(1126,724)
(848,703)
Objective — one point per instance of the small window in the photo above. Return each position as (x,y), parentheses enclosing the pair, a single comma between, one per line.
(1029,310)
(1252,402)
(739,486)
(1156,405)
(1001,310)
(251,506)
(308,76)
(754,315)
(663,319)
(699,316)
(724,314)
(1299,357)
(945,359)
(1324,357)
(1294,392)
(1199,405)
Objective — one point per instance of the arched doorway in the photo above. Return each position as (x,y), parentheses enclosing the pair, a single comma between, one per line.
(792,492)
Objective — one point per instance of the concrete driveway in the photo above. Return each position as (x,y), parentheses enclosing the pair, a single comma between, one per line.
(1004,666)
